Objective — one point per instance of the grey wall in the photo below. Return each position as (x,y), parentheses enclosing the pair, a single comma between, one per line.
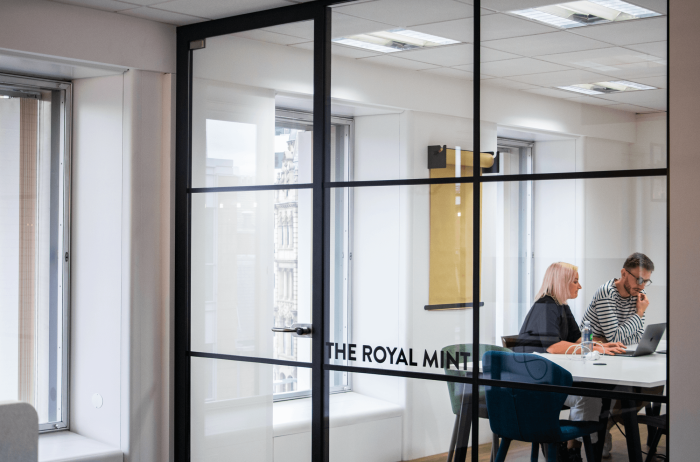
(684,167)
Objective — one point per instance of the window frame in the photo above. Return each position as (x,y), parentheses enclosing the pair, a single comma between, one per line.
(294,116)
(65,97)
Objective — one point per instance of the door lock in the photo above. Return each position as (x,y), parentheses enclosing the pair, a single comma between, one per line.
(297,330)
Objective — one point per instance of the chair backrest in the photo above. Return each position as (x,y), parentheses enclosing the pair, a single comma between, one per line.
(455,389)
(524,415)
(509,341)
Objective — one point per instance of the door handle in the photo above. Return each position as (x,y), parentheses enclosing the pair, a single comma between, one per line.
(297,330)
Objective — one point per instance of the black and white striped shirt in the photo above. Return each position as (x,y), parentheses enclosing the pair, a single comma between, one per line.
(614,317)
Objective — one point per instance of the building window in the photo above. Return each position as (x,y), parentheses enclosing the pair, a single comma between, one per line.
(34,238)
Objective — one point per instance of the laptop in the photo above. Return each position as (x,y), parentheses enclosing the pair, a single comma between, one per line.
(650,340)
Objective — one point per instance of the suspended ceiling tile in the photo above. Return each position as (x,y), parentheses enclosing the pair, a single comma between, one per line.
(104,5)
(634,71)
(627,32)
(406,13)
(450,72)
(660,81)
(167,17)
(269,37)
(458,56)
(510,5)
(601,60)
(505,83)
(561,78)
(659,6)
(215,9)
(493,27)
(344,25)
(545,44)
(552,92)
(520,66)
(501,26)
(397,62)
(302,29)
(658,49)
(653,99)
(339,50)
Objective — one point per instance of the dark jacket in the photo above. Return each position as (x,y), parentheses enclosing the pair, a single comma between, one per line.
(547,323)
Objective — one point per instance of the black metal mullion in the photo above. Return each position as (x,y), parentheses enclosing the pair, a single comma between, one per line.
(182,375)
(320,389)
(248,359)
(255,20)
(262,187)
(476,225)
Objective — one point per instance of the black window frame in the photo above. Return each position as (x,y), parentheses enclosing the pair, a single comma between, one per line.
(192,37)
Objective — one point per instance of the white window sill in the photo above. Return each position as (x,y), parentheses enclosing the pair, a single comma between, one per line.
(294,416)
(70,447)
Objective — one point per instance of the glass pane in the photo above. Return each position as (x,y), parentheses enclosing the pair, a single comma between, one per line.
(31,237)
(234,416)
(532,303)
(402,71)
(251,271)
(235,138)
(395,418)
(411,275)
(586,82)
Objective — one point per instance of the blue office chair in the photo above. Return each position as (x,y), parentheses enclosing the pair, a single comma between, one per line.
(527,415)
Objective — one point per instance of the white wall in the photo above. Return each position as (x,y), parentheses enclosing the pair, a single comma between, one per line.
(96,261)
(120,273)
(684,169)
(86,35)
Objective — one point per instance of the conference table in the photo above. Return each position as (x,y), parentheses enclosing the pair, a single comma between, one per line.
(621,374)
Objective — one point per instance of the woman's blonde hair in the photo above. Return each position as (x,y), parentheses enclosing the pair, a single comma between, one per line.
(556,281)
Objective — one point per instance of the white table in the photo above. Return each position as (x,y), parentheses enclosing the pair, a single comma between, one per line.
(643,371)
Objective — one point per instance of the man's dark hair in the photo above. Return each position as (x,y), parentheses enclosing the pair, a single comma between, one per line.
(638,259)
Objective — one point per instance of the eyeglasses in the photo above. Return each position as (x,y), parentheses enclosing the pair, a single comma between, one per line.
(639,280)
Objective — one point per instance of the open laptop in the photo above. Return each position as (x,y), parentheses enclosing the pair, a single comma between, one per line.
(650,340)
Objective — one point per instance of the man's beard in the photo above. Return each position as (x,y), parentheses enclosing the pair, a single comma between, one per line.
(630,290)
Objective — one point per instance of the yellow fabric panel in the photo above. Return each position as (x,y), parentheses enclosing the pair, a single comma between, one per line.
(451,233)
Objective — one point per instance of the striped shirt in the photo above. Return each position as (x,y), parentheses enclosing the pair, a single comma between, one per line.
(613,316)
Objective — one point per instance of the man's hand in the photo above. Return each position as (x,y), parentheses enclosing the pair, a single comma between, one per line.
(614,347)
(642,304)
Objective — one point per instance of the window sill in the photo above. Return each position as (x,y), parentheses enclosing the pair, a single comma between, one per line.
(67,446)
(294,416)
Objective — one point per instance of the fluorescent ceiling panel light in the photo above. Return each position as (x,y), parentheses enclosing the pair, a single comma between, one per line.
(586,13)
(394,40)
(578,89)
(603,88)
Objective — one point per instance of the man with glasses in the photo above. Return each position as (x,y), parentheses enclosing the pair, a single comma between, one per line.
(616,314)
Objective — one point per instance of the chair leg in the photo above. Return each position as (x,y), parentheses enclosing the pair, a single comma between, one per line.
(535,452)
(588,447)
(654,443)
(451,452)
(494,447)
(503,450)
(552,451)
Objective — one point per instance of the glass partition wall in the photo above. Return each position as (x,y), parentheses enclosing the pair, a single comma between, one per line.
(370,199)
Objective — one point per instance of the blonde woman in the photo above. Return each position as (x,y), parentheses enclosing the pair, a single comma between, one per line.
(550,327)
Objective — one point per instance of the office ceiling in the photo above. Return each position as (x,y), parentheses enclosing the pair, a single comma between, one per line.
(517,53)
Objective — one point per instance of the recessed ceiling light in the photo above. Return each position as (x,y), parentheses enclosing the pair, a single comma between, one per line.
(586,13)
(394,40)
(602,88)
